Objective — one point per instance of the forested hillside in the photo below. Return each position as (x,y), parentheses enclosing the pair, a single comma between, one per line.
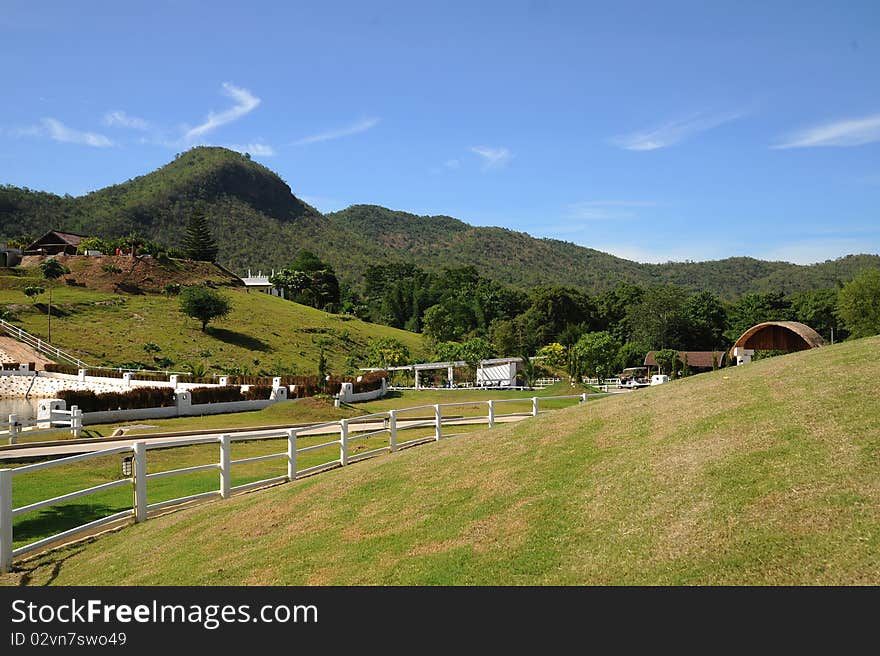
(259,223)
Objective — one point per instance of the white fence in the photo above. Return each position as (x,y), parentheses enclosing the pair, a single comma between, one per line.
(39,345)
(393,423)
(16,427)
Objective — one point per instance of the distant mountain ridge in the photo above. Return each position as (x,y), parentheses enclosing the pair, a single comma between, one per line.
(260,223)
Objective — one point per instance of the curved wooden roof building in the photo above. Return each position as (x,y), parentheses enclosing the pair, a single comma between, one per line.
(779,336)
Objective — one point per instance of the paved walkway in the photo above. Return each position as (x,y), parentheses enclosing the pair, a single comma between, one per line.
(61,449)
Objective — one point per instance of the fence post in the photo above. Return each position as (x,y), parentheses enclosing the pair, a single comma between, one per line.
(224,466)
(343,442)
(13,428)
(584,397)
(491,414)
(392,429)
(438,418)
(75,420)
(140,481)
(5,520)
(291,455)
(534,406)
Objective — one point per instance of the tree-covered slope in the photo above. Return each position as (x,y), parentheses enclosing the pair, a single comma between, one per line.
(259,223)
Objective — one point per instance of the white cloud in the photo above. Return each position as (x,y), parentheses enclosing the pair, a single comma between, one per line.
(605,210)
(119,118)
(245,102)
(673,132)
(259,149)
(492,157)
(452,164)
(357,127)
(60,132)
(850,132)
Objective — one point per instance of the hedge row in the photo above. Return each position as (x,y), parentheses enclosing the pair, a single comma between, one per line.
(228,394)
(135,399)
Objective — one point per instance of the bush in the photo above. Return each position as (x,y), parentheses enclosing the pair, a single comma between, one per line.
(216,395)
(258,393)
(141,397)
(149,375)
(58,368)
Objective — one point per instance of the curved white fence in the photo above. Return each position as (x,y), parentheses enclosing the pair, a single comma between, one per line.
(393,423)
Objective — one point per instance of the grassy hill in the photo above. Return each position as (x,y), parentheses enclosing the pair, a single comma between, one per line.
(260,223)
(104,326)
(762,474)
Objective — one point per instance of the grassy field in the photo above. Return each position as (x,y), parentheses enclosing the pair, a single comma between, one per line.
(262,332)
(762,474)
(320,409)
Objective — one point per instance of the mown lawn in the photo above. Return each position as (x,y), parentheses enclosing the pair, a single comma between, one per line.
(35,486)
(762,474)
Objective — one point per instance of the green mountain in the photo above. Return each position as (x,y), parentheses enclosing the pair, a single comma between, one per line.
(259,223)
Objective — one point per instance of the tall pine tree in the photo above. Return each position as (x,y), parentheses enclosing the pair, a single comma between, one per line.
(198,244)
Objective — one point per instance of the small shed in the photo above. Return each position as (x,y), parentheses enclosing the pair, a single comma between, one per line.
(55,243)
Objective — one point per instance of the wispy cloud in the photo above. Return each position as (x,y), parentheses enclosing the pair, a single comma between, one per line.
(452,164)
(259,149)
(673,132)
(606,210)
(119,118)
(848,132)
(492,157)
(245,102)
(60,132)
(357,127)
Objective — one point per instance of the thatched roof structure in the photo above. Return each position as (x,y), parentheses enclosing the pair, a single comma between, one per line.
(779,336)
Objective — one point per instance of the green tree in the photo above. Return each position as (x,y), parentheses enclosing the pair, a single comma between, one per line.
(597,353)
(447,351)
(631,354)
(204,304)
(818,309)
(858,304)
(32,291)
(660,319)
(476,349)
(52,269)
(706,319)
(388,352)
(752,309)
(666,360)
(555,355)
(440,325)
(198,243)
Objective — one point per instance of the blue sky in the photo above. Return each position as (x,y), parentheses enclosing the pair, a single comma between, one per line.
(654,131)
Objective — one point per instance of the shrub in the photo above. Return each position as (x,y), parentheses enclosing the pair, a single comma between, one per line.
(111,268)
(258,393)
(140,397)
(58,368)
(216,395)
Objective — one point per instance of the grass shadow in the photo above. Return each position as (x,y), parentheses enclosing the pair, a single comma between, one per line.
(238,339)
(60,518)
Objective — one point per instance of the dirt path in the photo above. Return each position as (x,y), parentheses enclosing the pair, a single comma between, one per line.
(14,351)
